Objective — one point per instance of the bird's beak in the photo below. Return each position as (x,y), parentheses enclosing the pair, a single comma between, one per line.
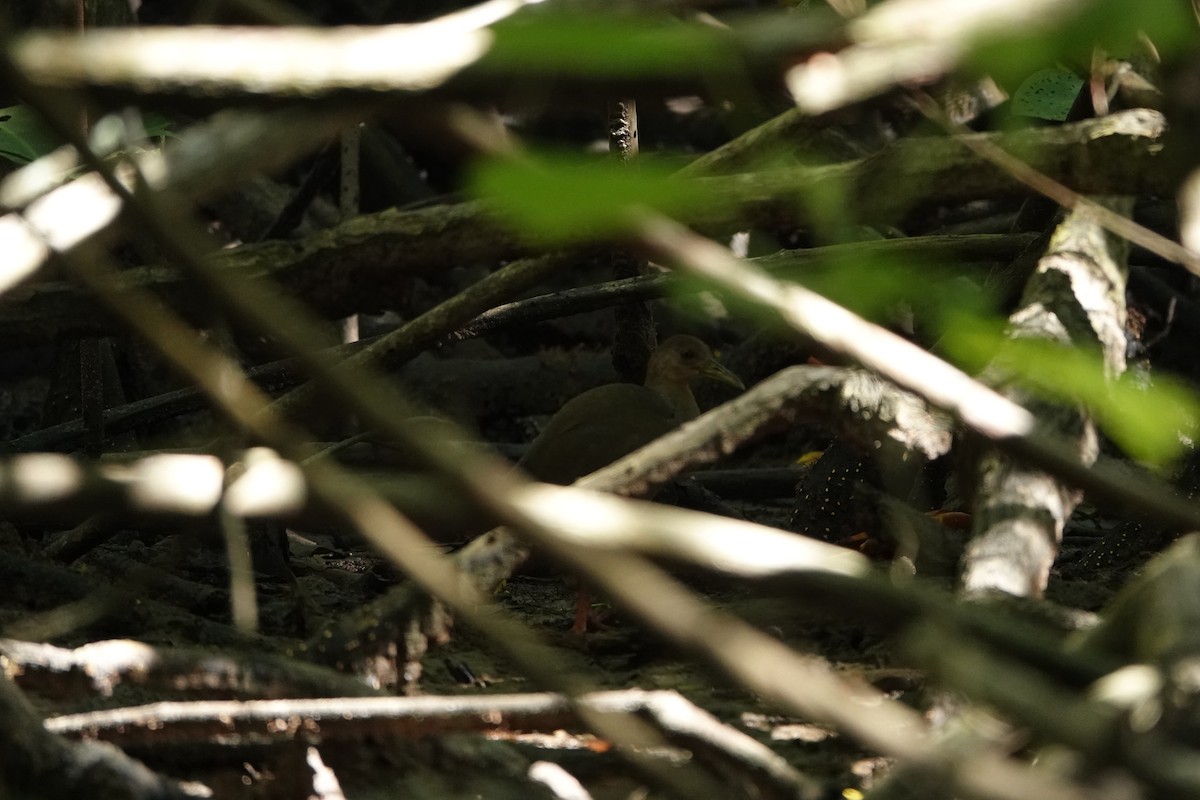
(718,372)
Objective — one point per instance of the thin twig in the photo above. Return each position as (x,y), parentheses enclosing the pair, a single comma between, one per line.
(1066,197)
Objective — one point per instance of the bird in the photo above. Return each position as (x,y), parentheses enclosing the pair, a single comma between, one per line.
(609,422)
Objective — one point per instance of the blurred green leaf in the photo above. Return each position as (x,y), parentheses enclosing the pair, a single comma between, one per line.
(1116,25)
(613,45)
(1148,421)
(560,199)
(879,287)
(23,135)
(1112,25)
(1144,420)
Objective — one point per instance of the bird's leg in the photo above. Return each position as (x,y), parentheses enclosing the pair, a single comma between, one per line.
(583,610)
(586,617)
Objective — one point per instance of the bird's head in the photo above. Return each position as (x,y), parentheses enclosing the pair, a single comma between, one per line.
(681,358)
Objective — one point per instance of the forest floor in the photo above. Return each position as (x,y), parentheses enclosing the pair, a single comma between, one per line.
(620,655)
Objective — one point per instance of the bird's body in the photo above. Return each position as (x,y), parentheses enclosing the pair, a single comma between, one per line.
(609,422)
(576,442)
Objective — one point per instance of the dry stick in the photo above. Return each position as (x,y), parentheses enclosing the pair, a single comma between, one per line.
(732,546)
(979,408)
(93,531)
(160,724)
(1042,183)
(352,252)
(302,61)
(372,517)
(395,348)
(103,666)
(1097,729)
(978,248)
(882,413)
(913,42)
(787,132)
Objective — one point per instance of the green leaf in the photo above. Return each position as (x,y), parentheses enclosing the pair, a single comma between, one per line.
(1047,94)
(558,200)
(23,135)
(157,126)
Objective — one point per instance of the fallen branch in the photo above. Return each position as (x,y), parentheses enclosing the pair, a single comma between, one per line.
(330,719)
(1075,298)
(101,667)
